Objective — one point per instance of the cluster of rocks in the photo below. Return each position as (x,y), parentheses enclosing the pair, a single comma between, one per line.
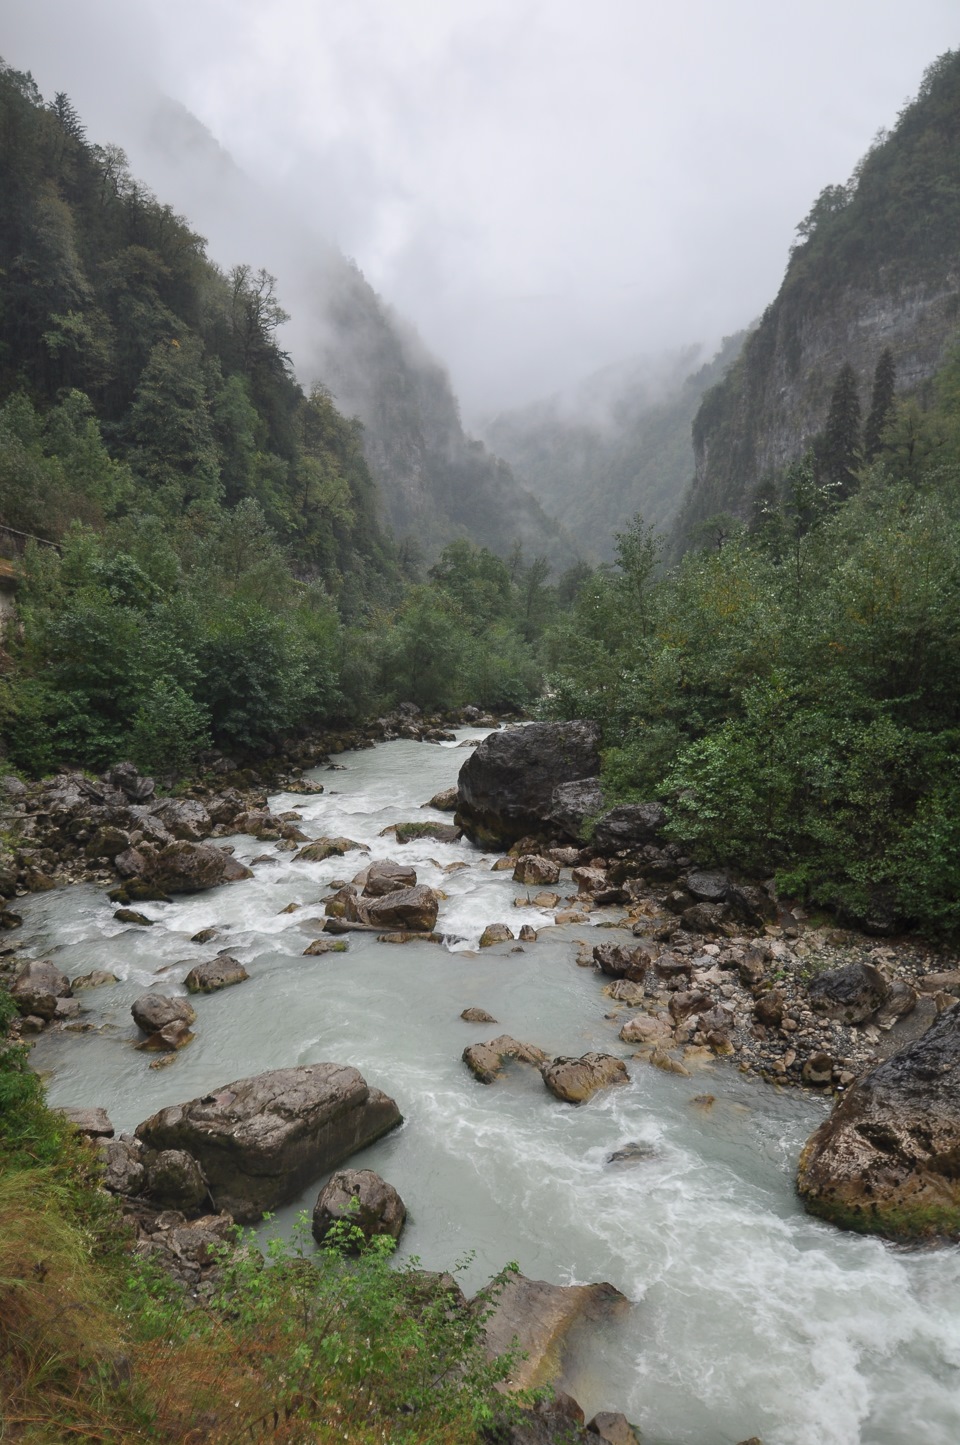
(384,898)
(572,1080)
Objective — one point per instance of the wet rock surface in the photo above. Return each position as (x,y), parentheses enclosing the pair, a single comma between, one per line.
(486,1060)
(362,1200)
(888,1158)
(506,786)
(576,1080)
(540,1316)
(261,1140)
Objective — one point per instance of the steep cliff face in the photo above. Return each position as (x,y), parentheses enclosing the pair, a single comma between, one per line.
(877,266)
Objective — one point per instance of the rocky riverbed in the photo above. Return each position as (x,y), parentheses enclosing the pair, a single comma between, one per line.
(674,1181)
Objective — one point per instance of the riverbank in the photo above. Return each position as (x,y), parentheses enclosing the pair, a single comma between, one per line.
(678,1189)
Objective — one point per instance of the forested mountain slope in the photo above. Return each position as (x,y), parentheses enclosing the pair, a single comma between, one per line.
(196,541)
(876,268)
(618,445)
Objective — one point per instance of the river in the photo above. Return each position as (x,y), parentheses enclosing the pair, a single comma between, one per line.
(747,1317)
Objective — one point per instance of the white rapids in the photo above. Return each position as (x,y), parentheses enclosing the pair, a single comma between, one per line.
(747,1317)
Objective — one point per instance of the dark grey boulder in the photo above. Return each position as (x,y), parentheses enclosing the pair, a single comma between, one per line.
(851,994)
(708,886)
(359,1198)
(574,806)
(184,818)
(630,826)
(153,1011)
(261,1140)
(175,1180)
(506,787)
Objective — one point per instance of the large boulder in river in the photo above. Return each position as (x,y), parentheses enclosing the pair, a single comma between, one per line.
(887,1161)
(574,1080)
(261,1140)
(539,1316)
(36,989)
(506,786)
(360,1198)
(407,908)
(153,1011)
(182,867)
(385,876)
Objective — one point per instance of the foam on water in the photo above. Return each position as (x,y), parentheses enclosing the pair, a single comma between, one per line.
(747,1317)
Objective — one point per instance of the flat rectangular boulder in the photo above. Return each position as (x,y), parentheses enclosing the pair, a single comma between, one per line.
(261,1140)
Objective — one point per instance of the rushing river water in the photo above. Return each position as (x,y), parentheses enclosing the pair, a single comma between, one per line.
(747,1317)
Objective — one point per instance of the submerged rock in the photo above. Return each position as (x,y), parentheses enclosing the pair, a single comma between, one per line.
(360,1198)
(261,1140)
(887,1161)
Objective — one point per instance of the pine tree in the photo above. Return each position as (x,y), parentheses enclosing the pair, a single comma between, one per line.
(881,405)
(839,453)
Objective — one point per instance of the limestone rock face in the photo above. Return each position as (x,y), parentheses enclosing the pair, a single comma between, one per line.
(575,1080)
(850,994)
(541,1315)
(506,786)
(153,1011)
(887,1161)
(485,1061)
(260,1140)
(360,1198)
(37,987)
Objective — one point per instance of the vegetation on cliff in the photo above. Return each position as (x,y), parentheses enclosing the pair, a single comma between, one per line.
(876,266)
(791,691)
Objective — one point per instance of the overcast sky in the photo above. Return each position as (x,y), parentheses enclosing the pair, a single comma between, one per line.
(542,186)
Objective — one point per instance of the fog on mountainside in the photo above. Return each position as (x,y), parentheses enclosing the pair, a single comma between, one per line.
(617,445)
(436,483)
